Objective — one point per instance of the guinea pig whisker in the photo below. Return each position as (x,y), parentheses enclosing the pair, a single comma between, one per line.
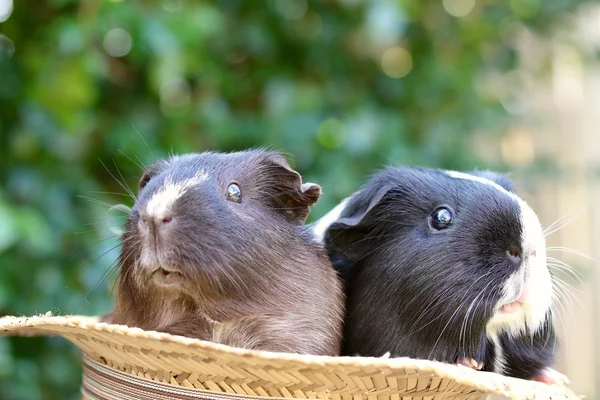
(432,303)
(463,328)
(482,299)
(566,269)
(374,250)
(375,237)
(140,166)
(143,140)
(556,262)
(111,193)
(554,313)
(557,279)
(466,321)
(557,222)
(97,224)
(106,273)
(127,188)
(119,182)
(562,294)
(567,295)
(102,240)
(93,200)
(568,272)
(571,251)
(141,162)
(99,257)
(455,312)
(107,238)
(562,222)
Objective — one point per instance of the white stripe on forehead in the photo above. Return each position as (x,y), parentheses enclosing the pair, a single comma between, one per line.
(167,195)
(462,175)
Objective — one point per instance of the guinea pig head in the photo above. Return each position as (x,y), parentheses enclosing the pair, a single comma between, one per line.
(449,257)
(212,224)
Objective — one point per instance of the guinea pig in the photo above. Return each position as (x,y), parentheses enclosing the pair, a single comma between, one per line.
(215,248)
(446,266)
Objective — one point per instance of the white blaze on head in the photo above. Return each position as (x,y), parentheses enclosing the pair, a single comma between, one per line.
(533,275)
(321,226)
(161,202)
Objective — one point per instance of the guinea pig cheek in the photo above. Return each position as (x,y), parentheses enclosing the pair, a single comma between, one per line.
(510,312)
(537,279)
(527,293)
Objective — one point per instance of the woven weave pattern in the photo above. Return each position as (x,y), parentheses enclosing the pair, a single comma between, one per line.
(191,363)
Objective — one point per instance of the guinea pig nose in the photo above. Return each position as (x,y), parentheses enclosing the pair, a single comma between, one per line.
(144,218)
(514,254)
(166,220)
(155,221)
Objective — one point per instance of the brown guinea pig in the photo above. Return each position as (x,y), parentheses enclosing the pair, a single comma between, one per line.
(215,249)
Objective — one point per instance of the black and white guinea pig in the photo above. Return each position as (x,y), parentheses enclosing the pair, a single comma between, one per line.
(215,249)
(446,266)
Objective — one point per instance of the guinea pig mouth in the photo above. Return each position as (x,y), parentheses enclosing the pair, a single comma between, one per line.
(515,305)
(167,278)
(510,308)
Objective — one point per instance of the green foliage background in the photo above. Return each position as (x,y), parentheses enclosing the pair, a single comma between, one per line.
(302,77)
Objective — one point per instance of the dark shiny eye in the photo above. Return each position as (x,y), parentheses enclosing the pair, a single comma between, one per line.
(234,193)
(441,218)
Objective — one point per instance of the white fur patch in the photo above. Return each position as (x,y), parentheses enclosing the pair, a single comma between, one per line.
(161,201)
(499,361)
(469,177)
(320,227)
(538,281)
(533,276)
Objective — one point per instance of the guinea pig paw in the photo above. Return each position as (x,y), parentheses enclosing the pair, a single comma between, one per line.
(471,363)
(552,377)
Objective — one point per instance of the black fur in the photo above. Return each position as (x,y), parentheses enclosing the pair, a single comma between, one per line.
(526,356)
(409,287)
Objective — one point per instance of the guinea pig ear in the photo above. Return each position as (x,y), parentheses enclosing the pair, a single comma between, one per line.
(291,197)
(152,171)
(501,179)
(343,235)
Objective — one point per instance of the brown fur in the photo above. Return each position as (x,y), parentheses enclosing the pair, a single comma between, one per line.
(253,277)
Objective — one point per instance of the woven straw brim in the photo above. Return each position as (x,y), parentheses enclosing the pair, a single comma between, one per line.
(174,363)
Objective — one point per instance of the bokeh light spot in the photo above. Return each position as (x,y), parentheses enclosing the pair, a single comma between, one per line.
(175,97)
(291,9)
(525,8)
(7,47)
(174,5)
(459,8)
(6,8)
(310,26)
(396,62)
(518,148)
(332,133)
(117,42)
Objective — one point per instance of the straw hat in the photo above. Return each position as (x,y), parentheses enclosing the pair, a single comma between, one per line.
(130,363)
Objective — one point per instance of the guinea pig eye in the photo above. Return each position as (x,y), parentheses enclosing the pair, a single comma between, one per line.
(234,193)
(441,218)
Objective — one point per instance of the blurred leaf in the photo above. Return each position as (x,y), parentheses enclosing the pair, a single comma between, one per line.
(8,230)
